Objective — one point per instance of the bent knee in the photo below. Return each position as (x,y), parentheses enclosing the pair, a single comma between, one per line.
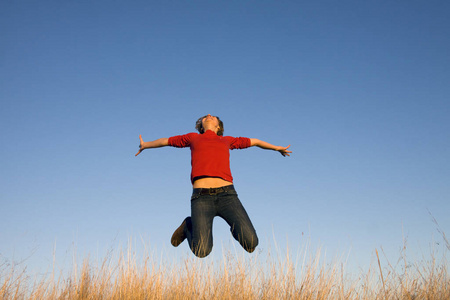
(250,250)
(202,250)
(202,253)
(250,246)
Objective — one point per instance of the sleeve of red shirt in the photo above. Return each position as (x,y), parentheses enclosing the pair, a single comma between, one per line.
(238,142)
(181,141)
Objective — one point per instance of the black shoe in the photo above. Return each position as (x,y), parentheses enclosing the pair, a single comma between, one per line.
(179,235)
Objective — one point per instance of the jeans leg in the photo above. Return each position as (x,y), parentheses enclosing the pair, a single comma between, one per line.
(202,214)
(241,227)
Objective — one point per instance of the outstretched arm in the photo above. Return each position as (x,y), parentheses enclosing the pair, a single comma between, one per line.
(265,145)
(162,142)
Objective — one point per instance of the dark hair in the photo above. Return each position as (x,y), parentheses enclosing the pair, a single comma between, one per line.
(199,126)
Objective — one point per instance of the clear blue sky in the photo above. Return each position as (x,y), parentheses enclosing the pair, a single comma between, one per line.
(359,89)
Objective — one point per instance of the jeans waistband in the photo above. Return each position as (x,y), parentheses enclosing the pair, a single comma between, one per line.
(213,191)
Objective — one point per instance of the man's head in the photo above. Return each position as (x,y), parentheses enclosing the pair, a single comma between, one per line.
(209,122)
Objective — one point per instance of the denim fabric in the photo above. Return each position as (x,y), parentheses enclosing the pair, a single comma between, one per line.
(204,208)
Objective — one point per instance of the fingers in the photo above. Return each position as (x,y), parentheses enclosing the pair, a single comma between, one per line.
(140,145)
(285,152)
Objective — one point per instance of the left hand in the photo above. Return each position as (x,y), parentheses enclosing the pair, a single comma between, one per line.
(284,151)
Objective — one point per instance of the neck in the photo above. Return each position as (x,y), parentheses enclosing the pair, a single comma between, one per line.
(211,129)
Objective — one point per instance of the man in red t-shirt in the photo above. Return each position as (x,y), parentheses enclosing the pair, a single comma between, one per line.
(213,191)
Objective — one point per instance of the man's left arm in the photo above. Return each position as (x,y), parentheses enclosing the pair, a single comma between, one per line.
(267,146)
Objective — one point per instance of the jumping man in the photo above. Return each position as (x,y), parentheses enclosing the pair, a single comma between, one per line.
(213,191)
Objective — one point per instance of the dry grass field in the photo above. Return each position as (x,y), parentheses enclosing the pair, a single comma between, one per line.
(305,275)
(126,276)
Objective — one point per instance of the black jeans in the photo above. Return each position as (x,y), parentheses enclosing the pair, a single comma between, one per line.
(206,204)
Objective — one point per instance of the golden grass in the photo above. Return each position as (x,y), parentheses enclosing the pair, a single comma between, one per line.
(231,277)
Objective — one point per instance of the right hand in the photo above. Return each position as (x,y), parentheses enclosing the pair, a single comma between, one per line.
(141,145)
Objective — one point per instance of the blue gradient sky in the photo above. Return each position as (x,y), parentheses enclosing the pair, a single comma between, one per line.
(360,89)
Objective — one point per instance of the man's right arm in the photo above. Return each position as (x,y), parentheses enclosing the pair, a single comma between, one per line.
(162,142)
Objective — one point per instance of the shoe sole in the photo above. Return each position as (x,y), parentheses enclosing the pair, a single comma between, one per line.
(178,236)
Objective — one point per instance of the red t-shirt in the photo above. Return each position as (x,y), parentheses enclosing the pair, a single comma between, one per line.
(210,155)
